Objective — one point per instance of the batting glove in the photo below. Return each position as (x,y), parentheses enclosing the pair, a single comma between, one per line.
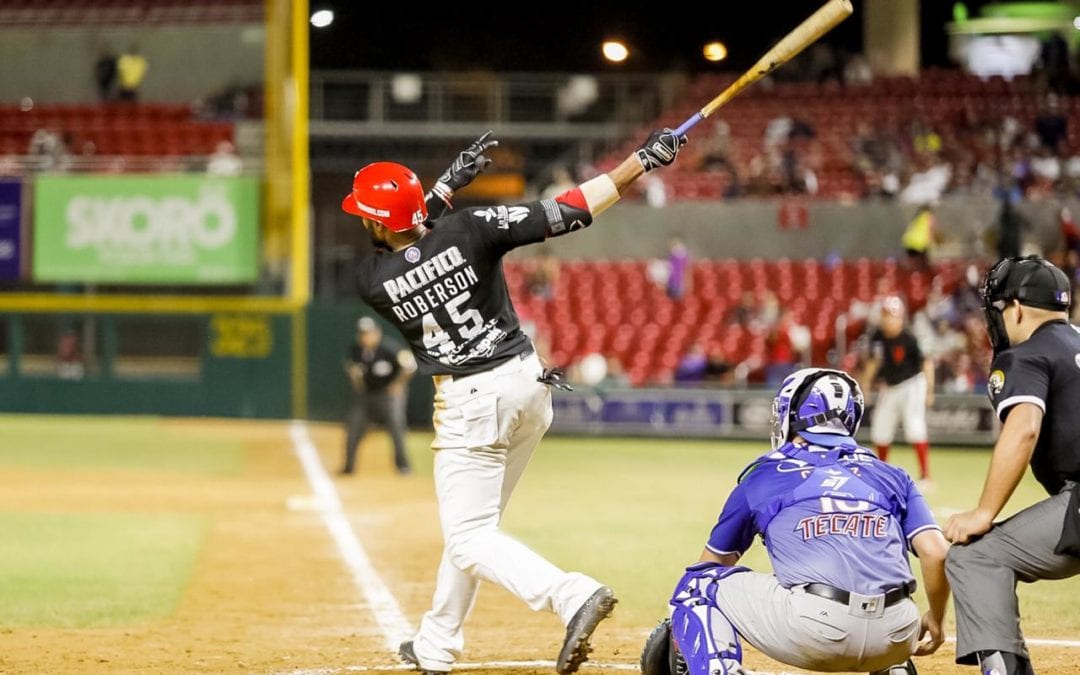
(659,149)
(469,164)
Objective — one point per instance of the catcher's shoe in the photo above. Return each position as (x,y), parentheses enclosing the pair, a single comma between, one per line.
(575,649)
(408,654)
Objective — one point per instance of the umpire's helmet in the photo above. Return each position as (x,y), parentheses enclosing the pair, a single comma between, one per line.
(819,404)
(1033,281)
(387,193)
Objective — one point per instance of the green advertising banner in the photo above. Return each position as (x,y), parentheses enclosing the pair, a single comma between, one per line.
(173,228)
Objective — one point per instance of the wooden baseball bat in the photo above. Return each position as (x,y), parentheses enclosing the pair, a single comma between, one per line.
(805,34)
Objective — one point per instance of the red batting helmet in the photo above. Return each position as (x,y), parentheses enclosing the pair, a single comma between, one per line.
(387,193)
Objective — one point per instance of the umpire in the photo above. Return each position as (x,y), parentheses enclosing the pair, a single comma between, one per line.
(378,371)
(1034,387)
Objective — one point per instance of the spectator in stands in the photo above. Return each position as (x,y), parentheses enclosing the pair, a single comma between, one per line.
(615,378)
(857,71)
(720,368)
(224,161)
(1070,232)
(49,151)
(105,75)
(786,346)
(693,365)
(715,155)
(745,311)
(1051,126)
(561,181)
(1054,62)
(655,190)
(590,370)
(543,275)
(960,374)
(131,67)
(1010,224)
(678,269)
(919,237)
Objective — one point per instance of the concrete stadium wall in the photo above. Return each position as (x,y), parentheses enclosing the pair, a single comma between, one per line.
(185,62)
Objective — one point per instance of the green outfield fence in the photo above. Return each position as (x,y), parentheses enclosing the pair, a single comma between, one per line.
(221,363)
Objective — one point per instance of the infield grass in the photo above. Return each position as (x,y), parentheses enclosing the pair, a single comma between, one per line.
(101,569)
(122,443)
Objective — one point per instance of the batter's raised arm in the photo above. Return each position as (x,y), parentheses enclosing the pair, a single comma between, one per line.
(469,164)
(578,207)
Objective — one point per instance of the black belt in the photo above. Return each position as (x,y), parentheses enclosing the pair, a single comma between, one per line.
(892,596)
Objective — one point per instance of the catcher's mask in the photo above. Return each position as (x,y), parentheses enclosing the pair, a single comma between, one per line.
(1033,281)
(821,405)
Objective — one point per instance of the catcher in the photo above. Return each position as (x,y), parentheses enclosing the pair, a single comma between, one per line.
(837,523)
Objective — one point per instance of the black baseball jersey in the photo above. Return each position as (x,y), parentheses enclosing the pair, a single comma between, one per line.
(447,293)
(1045,370)
(900,356)
(380,365)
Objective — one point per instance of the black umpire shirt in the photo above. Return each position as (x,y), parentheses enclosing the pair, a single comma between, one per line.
(900,356)
(380,366)
(1045,370)
(447,293)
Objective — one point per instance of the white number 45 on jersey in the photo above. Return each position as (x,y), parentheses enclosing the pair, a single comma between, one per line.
(469,324)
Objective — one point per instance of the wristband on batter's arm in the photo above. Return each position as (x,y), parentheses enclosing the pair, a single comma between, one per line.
(575,209)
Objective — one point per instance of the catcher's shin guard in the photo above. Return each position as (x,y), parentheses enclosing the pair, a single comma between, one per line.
(703,636)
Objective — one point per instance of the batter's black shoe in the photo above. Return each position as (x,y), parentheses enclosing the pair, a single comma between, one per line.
(408,655)
(575,649)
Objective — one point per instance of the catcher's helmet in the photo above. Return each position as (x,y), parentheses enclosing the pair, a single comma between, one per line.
(1033,280)
(819,404)
(387,193)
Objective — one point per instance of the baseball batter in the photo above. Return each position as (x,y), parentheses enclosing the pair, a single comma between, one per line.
(907,386)
(837,524)
(444,288)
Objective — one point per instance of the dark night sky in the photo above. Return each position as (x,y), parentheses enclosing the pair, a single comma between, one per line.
(564,36)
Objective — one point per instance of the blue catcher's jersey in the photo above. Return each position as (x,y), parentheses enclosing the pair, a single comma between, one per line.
(837,516)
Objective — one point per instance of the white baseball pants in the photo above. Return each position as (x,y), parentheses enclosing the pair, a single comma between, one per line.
(904,402)
(486,428)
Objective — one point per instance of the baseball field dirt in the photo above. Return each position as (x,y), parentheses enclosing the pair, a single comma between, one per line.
(267,589)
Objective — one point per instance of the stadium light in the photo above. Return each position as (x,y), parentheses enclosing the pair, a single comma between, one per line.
(715,51)
(322,18)
(615,51)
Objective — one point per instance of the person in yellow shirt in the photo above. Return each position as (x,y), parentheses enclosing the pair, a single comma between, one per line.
(919,236)
(131,67)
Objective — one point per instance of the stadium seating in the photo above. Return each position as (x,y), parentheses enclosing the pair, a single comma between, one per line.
(148,129)
(938,98)
(611,307)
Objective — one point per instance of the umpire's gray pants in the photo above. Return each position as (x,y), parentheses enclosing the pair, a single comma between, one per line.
(983,576)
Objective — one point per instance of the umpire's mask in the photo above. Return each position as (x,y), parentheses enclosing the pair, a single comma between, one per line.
(1033,280)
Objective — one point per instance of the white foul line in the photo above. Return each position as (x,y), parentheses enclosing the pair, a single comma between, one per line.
(486,665)
(392,622)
